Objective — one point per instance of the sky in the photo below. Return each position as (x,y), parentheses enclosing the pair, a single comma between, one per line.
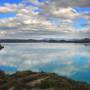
(44,19)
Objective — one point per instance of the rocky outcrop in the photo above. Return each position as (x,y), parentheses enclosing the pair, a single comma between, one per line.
(1,47)
(28,80)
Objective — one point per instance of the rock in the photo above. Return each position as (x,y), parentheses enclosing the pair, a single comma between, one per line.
(1,47)
(2,74)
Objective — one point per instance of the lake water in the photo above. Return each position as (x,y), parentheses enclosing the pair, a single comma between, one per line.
(71,60)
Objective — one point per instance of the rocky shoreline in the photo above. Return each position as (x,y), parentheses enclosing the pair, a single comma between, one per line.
(28,80)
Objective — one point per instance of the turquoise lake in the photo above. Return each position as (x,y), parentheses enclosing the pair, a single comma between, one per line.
(71,60)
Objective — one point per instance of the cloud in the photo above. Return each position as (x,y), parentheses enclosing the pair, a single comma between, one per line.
(49,16)
(72,3)
(65,12)
(8,8)
(8,22)
(59,12)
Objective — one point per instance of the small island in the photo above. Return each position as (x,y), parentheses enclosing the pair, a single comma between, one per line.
(28,80)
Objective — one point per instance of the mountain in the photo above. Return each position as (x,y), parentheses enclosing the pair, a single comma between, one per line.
(85,40)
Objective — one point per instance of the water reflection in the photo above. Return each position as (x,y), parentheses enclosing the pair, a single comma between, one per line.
(72,60)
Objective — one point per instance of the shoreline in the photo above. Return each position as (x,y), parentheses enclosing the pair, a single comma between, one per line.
(29,80)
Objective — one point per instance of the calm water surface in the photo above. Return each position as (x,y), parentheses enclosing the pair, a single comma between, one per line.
(71,60)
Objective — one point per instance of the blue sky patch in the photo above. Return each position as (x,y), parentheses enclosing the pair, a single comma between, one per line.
(83,9)
(81,23)
(7,15)
(2,2)
(42,0)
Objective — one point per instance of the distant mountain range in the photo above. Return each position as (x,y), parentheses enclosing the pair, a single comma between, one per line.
(85,40)
(1,47)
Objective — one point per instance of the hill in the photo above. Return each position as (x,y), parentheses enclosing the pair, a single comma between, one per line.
(28,80)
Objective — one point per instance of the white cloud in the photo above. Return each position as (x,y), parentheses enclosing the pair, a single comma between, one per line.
(72,3)
(27,19)
(8,8)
